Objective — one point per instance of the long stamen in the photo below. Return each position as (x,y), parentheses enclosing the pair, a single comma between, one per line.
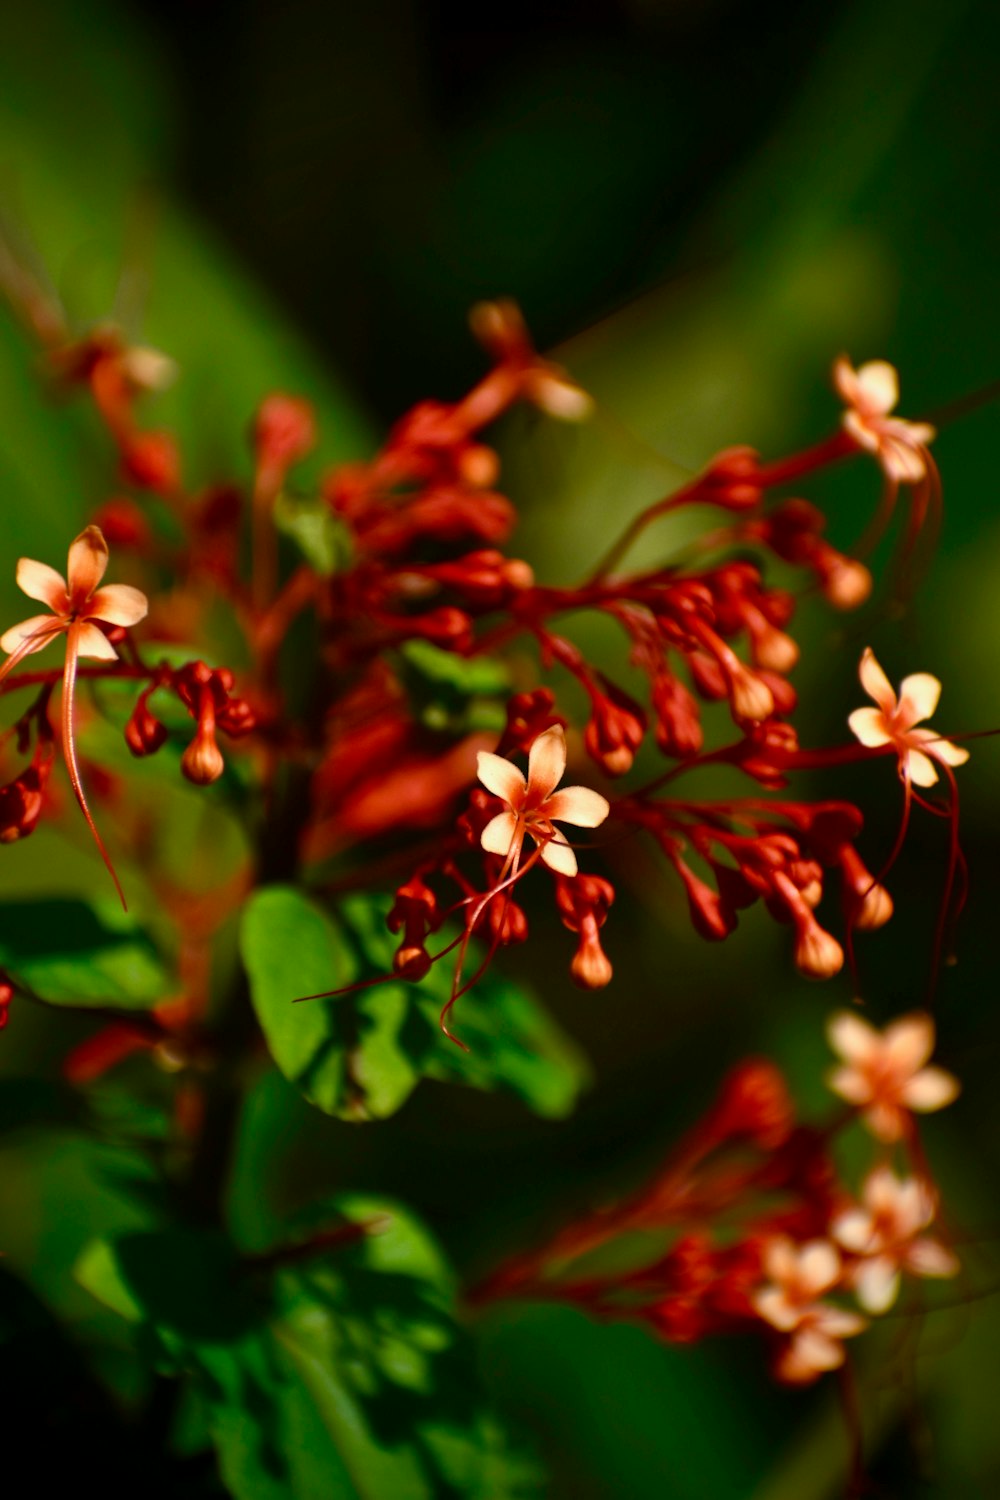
(69,750)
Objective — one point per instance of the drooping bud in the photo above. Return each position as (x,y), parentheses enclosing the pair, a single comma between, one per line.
(151,460)
(615,730)
(202,761)
(818,955)
(144,733)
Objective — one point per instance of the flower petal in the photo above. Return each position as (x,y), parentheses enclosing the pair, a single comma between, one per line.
(118,604)
(92,642)
(559,857)
(918,698)
(578,805)
(819,1266)
(547,762)
(810,1354)
(877,1284)
(874,681)
(868,725)
(845,380)
(499,834)
(919,768)
(931,1089)
(501,778)
(44,627)
(878,387)
(850,1084)
(900,454)
(853,1038)
(88,559)
(854,1229)
(39,581)
(908,1043)
(931,1258)
(773,1306)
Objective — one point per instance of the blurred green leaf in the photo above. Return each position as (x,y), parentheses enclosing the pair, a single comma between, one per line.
(350,1379)
(452,692)
(71,953)
(310,523)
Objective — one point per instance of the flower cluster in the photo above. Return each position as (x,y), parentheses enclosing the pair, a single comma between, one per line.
(762,1236)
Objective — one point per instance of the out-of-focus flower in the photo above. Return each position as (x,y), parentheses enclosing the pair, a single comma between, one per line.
(884,1232)
(871,392)
(884,1074)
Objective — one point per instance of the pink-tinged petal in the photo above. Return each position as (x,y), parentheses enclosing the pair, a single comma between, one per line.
(557,396)
(877,1284)
(854,1229)
(930,1258)
(919,768)
(874,681)
(885,1121)
(908,1042)
(501,778)
(952,755)
(547,762)
(499,834)
(773,1306)
(819,1266)
(92,642)
(88,559)
(845,380)
(853,1038)
(858,428)
(812,1353)
(39,581)
(878,387)
(918,698)
(577,805)
(868,726)
(43,627)
(118,604)
(835,1323)
(559,857)
(913,1208)
(901,459)
(780,1259)
(881,1191)
(850,1084)
(931,1089)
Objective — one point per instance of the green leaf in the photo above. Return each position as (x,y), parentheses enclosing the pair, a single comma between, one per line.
(360,1055)
(347,1376)
(308,520)
(72,953)
(454,693)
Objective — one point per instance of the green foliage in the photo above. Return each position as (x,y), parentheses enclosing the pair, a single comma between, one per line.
(72,953)
(311,524)
(360,1055)
(336,1373)
(451,692)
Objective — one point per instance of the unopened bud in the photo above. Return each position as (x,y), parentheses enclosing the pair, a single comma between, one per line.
(818,955)
(284,432)
(150,459)
(590,967)
(845,583)
(144,734)
(751,697)
(411,962)
(202,761)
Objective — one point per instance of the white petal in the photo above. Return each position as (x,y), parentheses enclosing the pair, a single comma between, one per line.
(43,627)
(499,834)
(118,604)
(878,386)
(39,581)
(853,1038)
(835,1322)
(577,805)
(908,1042)
(854,1229)
(92,642)
(932,1088)
(813,1353)
(918,698)
(501,778)
(868,725)
(845,380)
(773,1306)
(901,457)
(874,681)
(819,1265)
(877,1284)
(559,857)
(919,768)
(547,762)
(850,1084)
(929,1258)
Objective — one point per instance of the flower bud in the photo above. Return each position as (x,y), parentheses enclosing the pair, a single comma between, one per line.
(284,432)
(818,955)
(144,733)
(202,761)
(150,459)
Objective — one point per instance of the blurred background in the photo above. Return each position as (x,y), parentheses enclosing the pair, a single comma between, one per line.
(700,205)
